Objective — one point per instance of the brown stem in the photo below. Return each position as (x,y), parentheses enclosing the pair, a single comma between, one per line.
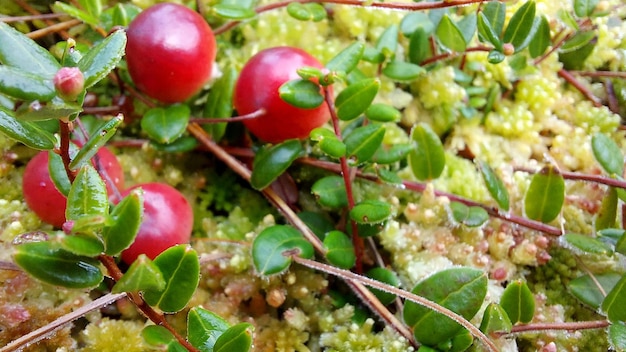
(65,130)
(609,74)
(569,78)
(608,181)
(450,55)
(23,4)
(53,29)
(45,16)
(250,116)
(157,318)
(571,326)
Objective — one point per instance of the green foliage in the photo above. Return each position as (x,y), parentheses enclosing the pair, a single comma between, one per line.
(586,288)
(428,159)
(271,245)
(126,218)
(25,132)
(613,303)
(204,328)
(518,302)
(269,163)
(469,216)
(88,195)
(166,125)
(330,191)
(386,276)
(495,319)
(339,249)
(545,195)
(356,98)
(301,93)
(142,275)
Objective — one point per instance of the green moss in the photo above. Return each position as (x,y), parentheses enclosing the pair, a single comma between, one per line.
(109,335)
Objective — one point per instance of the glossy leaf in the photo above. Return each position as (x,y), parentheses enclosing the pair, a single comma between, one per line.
(617,336)
(518,302)
(126,217)
(26,132)
(347,59)
(403,71)
(24,85)
(237,338)
(97,139)
(181,271)
(520,25)
(142,275)
(495,186)
(158,336)
(233,11)
(362,142)
(428,158)
(88,245)
(577,49)
(388,176)
(183,144)
(607,214)
(467,24)
(487,33)
(584,8)
(339,250)
(586,289)
(328,142)
(272,162)
(541,40)
(21,52)
(414,21)
(495,57)
(613,304)
(219,103)
(356,98)
(317,222)
(306,12)
(330,191)
(204,327)
(165,125)
(620,246)
(545,195)
(611,235)
(385,276)
(495,12)
(370,211)
(301,93)
(495,319)
(88,195)
(102,58)
(387,43)
(73,11)
(588,244)
(57,171)
(53,265)
(450,36)
(468,216)
(461,290)
(577,42)
(270,246)
(419,46)
(391,154)
(55,109)
(534,28)
(607,154)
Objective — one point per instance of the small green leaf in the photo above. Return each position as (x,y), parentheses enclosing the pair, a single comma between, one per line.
(617,336)
(55,109)
(306,12)
(24,85)
(584,8)
(541,40)
(88,195)
(102,58)
(370,211)
(588,244)
(219,103)
(520,25)
(272,162)
(487,33)
(391,154)
(317,222)
(183,144)
(387,43)
(339,250)
(385,276)
(620,246)
(97,139)
(545,195)
(495,186)
(362,142)
(468,25)
(450,36)
(126,217)
(577,49)
(356,98)
(328,142)
(495,12)
(403,71)
(428,158)
(270,248)
(388,176)
(204,328)
(518,302)
(237,338)
(158,336)
(461,290)
(613,304)
(495,319)
(347,59)
(88,245)
(142,275)
(57,171)
(586,289)
(607,154)
(26,132)
(468,216)
(607,214)
(21,52)
(414,21)
(419,46)
(60,7)
(165,125)
(56,266)
(330,191)
(495,57)
(301,93)
(181,271)
(233,11)
(534,28)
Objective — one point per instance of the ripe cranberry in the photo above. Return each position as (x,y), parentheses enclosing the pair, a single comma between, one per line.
(167,221)
(45,200)
(257,87)
(170,52)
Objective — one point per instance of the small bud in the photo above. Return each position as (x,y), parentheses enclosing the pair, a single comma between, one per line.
(69,82)
(508,49)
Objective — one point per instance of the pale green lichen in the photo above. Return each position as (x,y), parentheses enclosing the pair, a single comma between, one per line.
(108,335)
